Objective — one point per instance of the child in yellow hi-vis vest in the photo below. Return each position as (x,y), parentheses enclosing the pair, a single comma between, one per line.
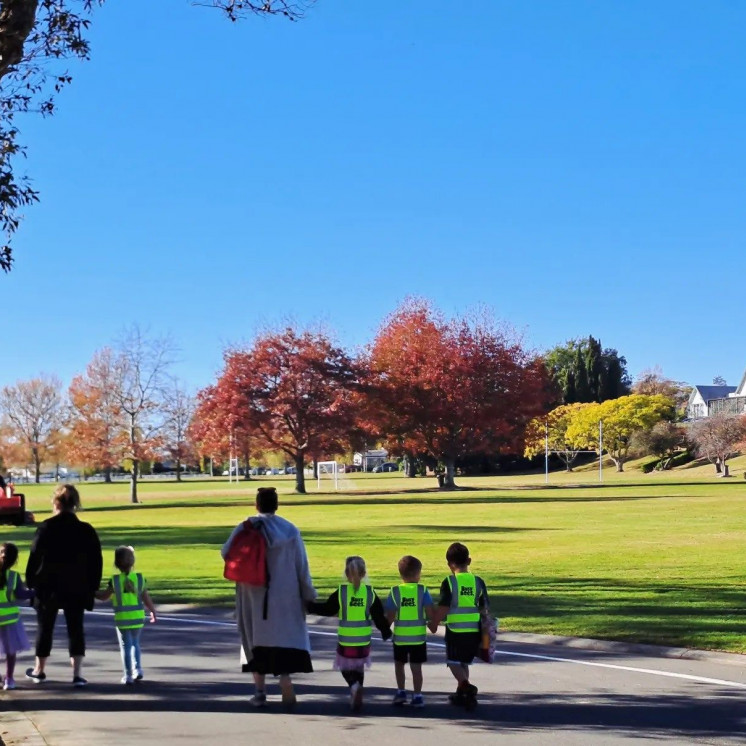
(358,608)
(409,606)
(130,593)
(463,599)
(13,637)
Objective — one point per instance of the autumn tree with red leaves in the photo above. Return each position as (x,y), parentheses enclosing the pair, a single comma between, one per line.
(294,386)
(220,426)
(453,387)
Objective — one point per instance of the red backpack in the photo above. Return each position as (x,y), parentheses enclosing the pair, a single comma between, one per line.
(246,561)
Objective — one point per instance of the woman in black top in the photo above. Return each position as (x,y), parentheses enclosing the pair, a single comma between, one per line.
(64,569)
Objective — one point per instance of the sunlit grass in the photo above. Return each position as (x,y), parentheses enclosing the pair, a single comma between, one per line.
(654,558)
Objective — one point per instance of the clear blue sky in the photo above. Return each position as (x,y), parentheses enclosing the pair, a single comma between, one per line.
(576,165)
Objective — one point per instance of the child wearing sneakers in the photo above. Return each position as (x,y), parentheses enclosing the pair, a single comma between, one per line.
(463,597)
(131,598)
(409,606)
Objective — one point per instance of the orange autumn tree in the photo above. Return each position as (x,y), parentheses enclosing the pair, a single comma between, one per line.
(294,388)
(453,387)
(220,426)
(95,432)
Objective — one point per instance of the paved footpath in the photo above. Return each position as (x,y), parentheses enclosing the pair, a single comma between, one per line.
(536,693)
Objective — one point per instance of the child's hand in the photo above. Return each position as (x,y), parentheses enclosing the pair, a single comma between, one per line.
(153,617)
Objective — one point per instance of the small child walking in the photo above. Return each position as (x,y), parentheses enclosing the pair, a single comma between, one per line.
(13,638)
(409,606)
(131,598)
(463,598)
(358,608)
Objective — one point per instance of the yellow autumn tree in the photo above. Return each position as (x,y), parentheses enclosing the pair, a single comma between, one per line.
(621,418)
(551,432)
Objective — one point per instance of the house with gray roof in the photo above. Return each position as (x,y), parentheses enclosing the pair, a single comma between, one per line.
(698,405)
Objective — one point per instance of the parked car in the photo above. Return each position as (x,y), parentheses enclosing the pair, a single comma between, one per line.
(291,470)
(385,466)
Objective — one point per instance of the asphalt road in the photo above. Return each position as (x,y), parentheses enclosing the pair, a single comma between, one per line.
(534,694)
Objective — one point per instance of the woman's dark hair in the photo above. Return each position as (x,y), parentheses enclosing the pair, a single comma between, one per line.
(66,498)
(9,559)
(266,500)
(457,554)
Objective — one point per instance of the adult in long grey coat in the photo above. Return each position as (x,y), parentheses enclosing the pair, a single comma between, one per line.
(278,644)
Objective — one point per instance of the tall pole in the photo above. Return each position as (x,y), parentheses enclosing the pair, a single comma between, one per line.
(600,450)
(546,452)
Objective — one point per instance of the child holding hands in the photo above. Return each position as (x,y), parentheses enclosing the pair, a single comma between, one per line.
(463,599)
(358,608)
(409,606)
(13,638)
(131,598)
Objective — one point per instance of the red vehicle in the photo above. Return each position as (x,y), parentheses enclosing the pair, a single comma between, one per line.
(12,506)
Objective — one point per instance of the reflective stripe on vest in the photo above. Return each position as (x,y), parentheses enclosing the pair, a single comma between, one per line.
(354,614)
(463,616)
(129,612)
(409,625)
(9,611)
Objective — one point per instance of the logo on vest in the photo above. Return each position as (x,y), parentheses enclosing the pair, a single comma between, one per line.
(408,602)
(357,602)
(468,591)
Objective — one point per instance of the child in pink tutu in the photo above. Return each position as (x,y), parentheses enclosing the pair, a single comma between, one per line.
(358,608)
(13,637)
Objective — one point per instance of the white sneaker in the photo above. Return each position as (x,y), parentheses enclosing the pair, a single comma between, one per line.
(128,680)
(9,684)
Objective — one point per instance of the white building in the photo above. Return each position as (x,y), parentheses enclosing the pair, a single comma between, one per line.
(698,405)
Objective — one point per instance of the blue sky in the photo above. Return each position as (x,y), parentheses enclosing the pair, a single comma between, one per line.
(576,165)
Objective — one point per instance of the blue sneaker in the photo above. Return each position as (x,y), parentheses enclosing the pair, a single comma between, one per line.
(418,700)
(400,698)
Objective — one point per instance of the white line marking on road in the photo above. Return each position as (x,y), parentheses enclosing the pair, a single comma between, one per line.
(533,656)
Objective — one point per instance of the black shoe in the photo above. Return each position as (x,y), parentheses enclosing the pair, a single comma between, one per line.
(470,693)
(79,682)
(458,698)
(37,678)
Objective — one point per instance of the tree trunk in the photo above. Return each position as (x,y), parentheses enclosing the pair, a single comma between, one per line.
(315,468)
(300,474)
(449,476)
(37,464)
(133,482)
(178,470)
(411,470)
(619,464)
(247,465)
(107,475)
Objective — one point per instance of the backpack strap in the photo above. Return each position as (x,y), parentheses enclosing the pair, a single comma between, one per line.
(259,526)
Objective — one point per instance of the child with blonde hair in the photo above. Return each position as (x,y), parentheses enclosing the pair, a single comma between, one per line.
(131,598)
(358,608)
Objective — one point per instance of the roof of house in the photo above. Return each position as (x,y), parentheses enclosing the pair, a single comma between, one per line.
(714,392)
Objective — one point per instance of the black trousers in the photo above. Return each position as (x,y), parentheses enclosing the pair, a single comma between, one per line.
(46,616)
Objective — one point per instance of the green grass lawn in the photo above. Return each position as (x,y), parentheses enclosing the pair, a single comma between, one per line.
(652,558)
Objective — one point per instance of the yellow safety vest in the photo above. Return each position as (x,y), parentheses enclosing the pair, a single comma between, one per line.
(9,611)
(129,611)
(410,623)
(463,615)
(355,626)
